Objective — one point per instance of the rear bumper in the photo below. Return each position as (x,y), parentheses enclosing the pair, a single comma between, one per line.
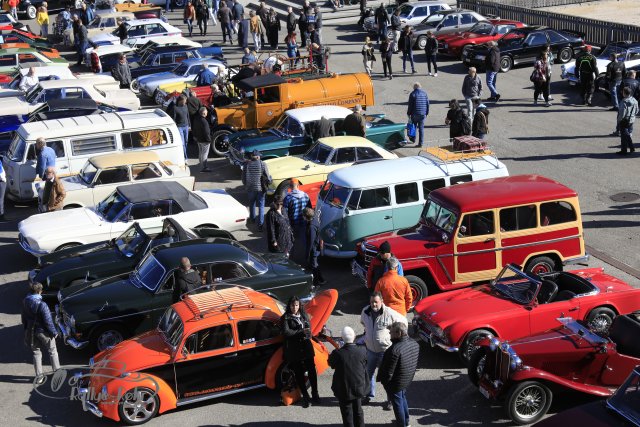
(577,260)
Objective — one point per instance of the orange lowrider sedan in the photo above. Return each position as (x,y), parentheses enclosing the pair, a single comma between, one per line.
(208,345)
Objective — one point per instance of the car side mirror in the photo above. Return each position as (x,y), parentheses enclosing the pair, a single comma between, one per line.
(346,211)
(445,237)
(184,352)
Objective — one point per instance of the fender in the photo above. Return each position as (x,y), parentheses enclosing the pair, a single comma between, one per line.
(538,374)
(321,360)
(414,264)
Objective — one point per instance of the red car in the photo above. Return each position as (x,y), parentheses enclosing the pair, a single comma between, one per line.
(482,32)
(524,372)
(512,307)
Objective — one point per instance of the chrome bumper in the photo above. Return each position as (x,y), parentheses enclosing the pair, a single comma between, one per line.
(308,298)
(577,260)
(233,160)
(334,251)
(24,245)
(359,272)
(432,339)
(65,331)
(83,393)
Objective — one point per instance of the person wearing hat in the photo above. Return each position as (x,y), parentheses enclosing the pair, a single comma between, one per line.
(254,174)
(586,69)
(355,123)
(384,254)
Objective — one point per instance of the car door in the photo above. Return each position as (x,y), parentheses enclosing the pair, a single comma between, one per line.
(417,16)
(300,137)
(407,205)
(258,339)
(107,181)
(475,248)
(208,362)
(543,316)
(373,212)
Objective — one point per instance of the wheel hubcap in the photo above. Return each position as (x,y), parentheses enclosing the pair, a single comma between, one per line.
(139,405)
(221,144)
(416,294)
(108,339)
(530,402)
(600,323)
(541,268)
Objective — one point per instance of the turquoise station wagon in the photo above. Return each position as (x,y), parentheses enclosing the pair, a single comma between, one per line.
(293,133)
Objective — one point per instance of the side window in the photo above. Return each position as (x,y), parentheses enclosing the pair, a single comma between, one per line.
(518,218)
(179,57)
(268,95)
(433,184)
(553,213)
(74,93)
(166,58)
(7,61)
(467,18)
(58,147)
(113,175)
(215,338)
(450,21)
(555,37)
(374,198)
(195,70)
(367,153)
(26,57)
(354,199)
(250,331)
(460,179)
(138,30)
(406,193)
(344,155)
(175,208)
(434,9)
(503,29)
(161,208)
(99,144)
(536,39)
(476,224)
(145,171)
(421,11)
(634,55)
(227,270)
(140,211)
(142,139)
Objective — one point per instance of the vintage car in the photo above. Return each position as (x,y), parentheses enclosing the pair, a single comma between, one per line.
(162,58)
(622,409)
(482,32)
(627,51)
(103,92)
(293,133)
(411,13)
(101,175)
(445,22)
(44,73)
(517,304)
(21,36)
(104,57)
(147,203)
(187,70)
(523,45)
(108,258)
(139,31)
(136,300)
(468,232)
(325,156)
(232,334)
(107,22)
(52,110)
(524,373)
(12,58)
(30,7)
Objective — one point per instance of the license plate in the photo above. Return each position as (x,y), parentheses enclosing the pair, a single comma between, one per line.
(484,392)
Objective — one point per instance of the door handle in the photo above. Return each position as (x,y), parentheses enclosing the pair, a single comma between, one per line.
(490,239)
(388,217)
(573,309)
(64,167)
(229,356)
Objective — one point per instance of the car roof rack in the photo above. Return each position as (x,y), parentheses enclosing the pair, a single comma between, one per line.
(218,300)
(444,155)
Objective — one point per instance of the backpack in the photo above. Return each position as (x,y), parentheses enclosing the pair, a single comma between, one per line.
(585,60)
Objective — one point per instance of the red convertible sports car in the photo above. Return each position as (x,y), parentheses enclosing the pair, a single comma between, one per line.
(512,307)
(525,372)
(482,32)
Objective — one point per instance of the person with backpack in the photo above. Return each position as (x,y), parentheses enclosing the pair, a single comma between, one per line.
(396,24)
(382,18)
(540,78)
(480,126)
(457,120)
(586,71)
(616,71)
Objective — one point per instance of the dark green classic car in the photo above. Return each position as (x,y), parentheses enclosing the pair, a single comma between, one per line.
(293,134)
(109,258)
(104,312)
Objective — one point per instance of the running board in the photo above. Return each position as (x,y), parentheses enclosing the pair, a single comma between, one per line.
(195,399)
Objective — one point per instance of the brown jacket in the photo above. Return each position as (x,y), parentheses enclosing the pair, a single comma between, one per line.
(396,292)
(56,198)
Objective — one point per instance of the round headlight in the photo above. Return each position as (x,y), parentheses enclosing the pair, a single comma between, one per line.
(505,347)
(72,321)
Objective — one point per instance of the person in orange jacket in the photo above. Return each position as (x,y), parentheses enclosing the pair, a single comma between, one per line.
(395,289)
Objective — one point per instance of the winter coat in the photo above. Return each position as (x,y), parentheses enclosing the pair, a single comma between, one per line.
(56,193)
(292,22)
(313,248)
(202,12)
(628,110)
(480,122)
(255,25)
(396,24)
(350,379)
(186,282)
(354,124)
(456,116)
(616,71)
(418,103)
(278,231)
(251,174)
(406,41)
(492,60)
(377,338)
(431,48)
(122,73)
(36,314)
(296,346)
(472,86)
(633,85)
(237,10)
(542,71)
(194,105)
(200,129)
(189,13)
(381,17)
(396,292)
(179,114)
(324,128)
(399,365)
(293,204)
(224,14)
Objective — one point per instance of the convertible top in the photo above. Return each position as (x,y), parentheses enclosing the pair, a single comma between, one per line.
(166,190)
(252,83)
(75,103)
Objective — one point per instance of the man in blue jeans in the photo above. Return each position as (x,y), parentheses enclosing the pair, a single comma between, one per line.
(252,179)
(418,111)
(376,319)
(397,369)
(492,65)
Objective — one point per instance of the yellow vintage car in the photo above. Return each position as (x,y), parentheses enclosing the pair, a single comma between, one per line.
(325,156)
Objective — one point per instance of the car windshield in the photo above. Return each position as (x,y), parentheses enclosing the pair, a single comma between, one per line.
(148,273)
(482,28)
(433,20)
(110,207)
(171,327)
(521,289)
(578,328)
(95,23)
(88,172)
(319,153)
(511,37)
(33,94)
(181,70)
(405,10)
(16,149)
(147,58)
(626,400)
(613,49)
(288,126)
(337,196)
(131,241)
(439,216)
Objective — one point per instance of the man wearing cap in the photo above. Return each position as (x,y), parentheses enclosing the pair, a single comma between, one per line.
(394,288)
(252,178)
(294,204)
(586,70)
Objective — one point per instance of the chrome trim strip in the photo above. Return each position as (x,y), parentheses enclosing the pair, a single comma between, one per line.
(577,260)
(125,315)
(190,400)
(446,272)
(24,245)
(283,286)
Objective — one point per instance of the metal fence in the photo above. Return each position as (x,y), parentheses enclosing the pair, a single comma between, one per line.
(596,32)
(534,4)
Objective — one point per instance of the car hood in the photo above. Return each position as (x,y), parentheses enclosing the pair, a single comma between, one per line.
(601,63)
(76,251)
(74,182)
(537,349)
(11,122)
(104,298)
(4,93)
(15,105)
(249,139)
(282,265)
(319,309)
(67,223)
(89,262)
(286,167)
(407,242)
(104,37)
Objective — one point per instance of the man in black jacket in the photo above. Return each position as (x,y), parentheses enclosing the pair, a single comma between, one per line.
(492,65)
(350,383)
(397,370)
(187,279)
(586,69)
(202,135)
(292,21)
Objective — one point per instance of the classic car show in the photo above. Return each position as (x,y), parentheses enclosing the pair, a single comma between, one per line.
(294,213)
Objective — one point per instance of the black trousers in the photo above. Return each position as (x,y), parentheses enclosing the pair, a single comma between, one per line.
(431,59)
(541,88)
(386,65)
(202,25)
(587,85)
(352,414)
(299,369)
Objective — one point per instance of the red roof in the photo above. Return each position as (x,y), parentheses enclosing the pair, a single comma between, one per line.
(501,192)
(506,21)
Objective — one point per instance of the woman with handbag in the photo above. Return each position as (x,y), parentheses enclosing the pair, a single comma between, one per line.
(540,77)
(298,349)
(368,58)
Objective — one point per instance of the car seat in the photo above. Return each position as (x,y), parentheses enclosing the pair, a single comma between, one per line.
(625,331)
(564,295)
(548,291)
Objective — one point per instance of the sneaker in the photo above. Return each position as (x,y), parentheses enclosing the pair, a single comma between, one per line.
(40,379)
(429,74)
(390,77)
(316,400)
(497,97)
(614,133)
(547,104)
(305,402)
(435,75)
(386,406)
(413,71)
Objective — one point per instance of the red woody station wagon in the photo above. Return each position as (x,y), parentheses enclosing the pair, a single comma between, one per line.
(468,232)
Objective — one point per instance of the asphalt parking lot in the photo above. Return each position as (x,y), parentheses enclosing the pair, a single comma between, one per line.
(567,142)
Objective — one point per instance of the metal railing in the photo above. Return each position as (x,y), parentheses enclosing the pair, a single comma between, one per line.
(534,4)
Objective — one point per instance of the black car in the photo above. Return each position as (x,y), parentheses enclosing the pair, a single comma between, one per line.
(30,7)
(104,312)
(51,110)
(162,58)
(523,46)
(67,267)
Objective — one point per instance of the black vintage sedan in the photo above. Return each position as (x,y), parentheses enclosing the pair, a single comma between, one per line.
(85,263)
(104,312)
(523,46)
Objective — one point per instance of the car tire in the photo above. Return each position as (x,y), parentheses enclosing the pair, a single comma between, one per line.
(468,347)
(66,246)
(506,64)
(134,86)
(476,365)
(565,55)
(527,402)
(600,319)
(31,12)
(106,337)
(220,148)
(128,408)
(540,264)
(418,287)
(422,42)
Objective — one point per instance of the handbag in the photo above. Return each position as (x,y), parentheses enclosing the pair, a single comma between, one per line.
(264,179)
(411,131)
(534,76)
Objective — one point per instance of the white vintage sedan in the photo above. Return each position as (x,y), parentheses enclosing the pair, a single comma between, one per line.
(103,93)
(148,204)
(139,32)
(49,72)
(102,175)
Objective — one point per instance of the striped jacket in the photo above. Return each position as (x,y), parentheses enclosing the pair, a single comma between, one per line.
(251,174)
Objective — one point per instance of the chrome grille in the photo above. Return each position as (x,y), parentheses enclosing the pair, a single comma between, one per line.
(423,323)
(368,252)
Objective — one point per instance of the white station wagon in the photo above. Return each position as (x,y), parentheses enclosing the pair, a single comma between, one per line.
(101,175)
(148,204)
(139,32)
